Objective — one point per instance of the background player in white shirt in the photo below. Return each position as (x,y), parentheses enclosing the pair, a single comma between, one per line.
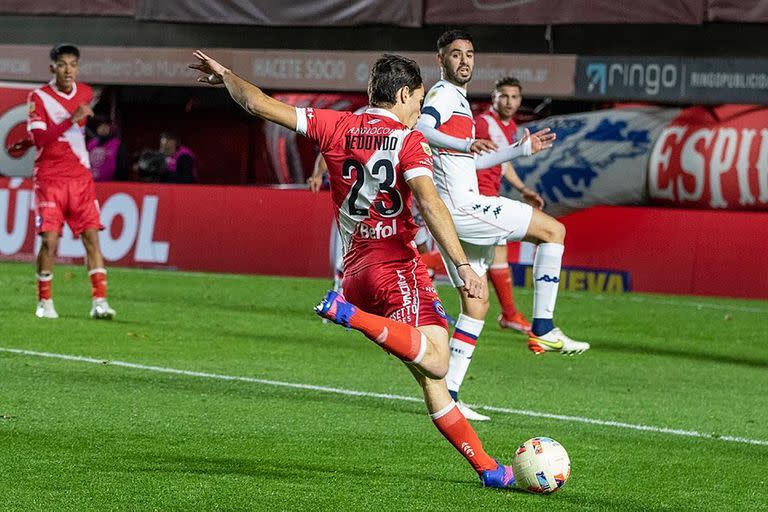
(483,222)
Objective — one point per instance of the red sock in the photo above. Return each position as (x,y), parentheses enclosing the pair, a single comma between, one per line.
(501,277)
(405,342)
(455,427)
(98,283)
(44,285)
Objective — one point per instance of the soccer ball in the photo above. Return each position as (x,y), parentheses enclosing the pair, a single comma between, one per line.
(541,465)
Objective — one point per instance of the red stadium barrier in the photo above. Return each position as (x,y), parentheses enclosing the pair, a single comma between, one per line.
(285,232)
(673,251)
(209,228)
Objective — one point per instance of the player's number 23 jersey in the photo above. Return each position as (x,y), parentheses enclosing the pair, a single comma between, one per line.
(370,158)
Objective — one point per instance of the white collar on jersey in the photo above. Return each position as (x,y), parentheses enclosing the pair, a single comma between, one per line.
(61,93)
(382,112)
(462,90)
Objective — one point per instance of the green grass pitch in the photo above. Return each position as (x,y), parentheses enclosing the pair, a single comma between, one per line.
(75,435)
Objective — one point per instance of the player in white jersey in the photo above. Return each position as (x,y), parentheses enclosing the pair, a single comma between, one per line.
(481,221)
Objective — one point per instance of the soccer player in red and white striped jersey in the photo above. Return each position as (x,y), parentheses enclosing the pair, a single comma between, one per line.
(376,165)
(498,125)
(483,222)
(64,188)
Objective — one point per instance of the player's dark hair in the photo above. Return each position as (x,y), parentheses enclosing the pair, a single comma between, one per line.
(388,75)
(64,49)
(507,81)
(450,36)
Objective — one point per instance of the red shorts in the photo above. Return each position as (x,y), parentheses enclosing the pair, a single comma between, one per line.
(71,200)
(400,290)
(489,182)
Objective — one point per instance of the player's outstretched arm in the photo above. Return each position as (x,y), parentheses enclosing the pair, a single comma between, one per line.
(440,224)
(437,139)
(250,97)
(530,144)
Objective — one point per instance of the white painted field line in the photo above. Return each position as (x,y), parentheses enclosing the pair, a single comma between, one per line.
(386,396)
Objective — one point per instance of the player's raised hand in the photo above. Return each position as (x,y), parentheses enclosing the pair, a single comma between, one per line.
(18,148)
(540,140)
(212,71)
(480,146)
(81,112)
(533,198)
(315,183)
(474,285)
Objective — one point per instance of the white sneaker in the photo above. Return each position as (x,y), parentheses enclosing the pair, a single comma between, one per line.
(470,414)
(101,310)
(556,341)
(45,309)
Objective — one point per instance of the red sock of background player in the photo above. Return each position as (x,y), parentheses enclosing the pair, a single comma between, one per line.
(44,285)
(98,283)
(501,277)
(455,427)
(432,259)
(405,342)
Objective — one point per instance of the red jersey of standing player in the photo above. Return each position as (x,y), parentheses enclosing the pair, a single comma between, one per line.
(61,149)
(489,125)
(64,188)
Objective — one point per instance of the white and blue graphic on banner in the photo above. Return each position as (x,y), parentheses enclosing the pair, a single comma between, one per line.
(599,158)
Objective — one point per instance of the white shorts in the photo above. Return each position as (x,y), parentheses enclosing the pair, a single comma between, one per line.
(490,220)
(480,258)
(484,224)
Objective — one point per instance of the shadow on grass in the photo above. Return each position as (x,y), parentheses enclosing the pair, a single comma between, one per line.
(239,466)
(192,388)
(628,348)
(318,472)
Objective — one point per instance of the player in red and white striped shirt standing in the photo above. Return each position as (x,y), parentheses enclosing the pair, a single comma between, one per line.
(498,125)
(64,188)
(483,222)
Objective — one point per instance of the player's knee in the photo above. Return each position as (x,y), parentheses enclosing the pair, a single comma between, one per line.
(561,232)
(485,304)
(555,232)
(90,241)
(49,246)
(439,372)
(441,357)
(476,308)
